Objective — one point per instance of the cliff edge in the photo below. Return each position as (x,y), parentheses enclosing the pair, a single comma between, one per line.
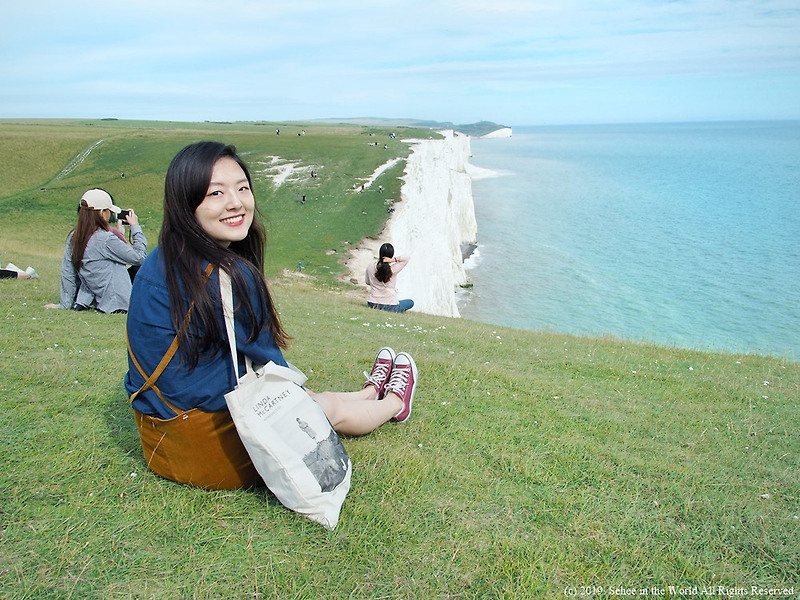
(433,219)
(504,132)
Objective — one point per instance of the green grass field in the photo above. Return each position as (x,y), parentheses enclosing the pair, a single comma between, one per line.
(534,465)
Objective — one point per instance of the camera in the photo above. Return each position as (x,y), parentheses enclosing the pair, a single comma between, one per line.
(122,216)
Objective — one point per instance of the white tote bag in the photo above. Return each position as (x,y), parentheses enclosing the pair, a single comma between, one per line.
(287,435)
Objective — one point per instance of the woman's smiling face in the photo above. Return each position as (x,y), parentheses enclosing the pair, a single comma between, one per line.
(226,212)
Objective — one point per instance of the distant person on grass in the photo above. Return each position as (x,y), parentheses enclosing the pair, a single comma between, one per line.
(179,359)
(12,271)
(381,279)
(94,270)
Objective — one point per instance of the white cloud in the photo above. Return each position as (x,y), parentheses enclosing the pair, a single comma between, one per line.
(448,59)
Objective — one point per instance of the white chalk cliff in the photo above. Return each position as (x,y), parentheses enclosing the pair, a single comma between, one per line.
(503,132)
(434,217)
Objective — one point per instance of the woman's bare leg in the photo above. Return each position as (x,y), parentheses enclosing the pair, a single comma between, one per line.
(357,413)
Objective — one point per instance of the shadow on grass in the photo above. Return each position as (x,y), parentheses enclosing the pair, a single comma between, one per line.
(121,426)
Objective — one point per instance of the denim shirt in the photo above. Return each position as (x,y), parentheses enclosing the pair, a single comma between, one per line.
(150,333)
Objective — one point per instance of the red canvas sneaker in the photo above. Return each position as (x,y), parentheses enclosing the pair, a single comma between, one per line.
(381,370)
(403,382)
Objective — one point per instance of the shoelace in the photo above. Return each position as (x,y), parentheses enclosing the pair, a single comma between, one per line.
(379,373)
(402,375)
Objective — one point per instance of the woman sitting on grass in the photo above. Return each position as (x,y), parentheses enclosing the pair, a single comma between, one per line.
(381,277)
(209,224)
(94,270)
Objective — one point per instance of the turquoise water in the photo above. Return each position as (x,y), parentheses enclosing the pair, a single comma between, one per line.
(679,234)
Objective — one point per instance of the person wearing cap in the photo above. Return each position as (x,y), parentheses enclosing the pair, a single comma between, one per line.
(94,270)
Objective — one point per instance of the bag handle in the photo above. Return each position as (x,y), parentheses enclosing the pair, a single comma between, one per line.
(290,373)
(226,291)
(150,382)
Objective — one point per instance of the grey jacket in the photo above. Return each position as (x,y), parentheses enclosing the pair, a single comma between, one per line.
(102,281)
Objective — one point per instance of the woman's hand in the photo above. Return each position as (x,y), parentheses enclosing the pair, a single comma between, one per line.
(132,219)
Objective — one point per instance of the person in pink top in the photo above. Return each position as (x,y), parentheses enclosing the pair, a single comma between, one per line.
(381,278)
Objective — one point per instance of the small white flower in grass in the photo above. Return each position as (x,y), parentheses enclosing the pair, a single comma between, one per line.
(765,397)
(418,445)
(765,496)
(634,372)
(691,368)
(132,474)
(445,403)
(765,383)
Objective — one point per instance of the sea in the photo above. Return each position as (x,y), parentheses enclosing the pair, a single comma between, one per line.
(678,234)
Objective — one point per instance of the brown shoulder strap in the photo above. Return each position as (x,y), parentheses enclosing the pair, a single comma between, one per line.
(150,382)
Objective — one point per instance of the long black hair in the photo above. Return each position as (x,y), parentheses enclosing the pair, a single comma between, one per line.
(186,247)
(383,272)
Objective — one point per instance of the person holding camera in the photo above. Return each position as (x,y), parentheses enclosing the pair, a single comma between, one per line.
(94,270)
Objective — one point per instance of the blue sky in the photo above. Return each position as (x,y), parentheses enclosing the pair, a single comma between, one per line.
(515,62)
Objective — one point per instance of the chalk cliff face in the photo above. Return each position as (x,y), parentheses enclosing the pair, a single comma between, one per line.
(434,218)
(504,132)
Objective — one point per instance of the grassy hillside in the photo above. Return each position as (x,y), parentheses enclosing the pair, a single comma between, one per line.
(47,165)
(534,465)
